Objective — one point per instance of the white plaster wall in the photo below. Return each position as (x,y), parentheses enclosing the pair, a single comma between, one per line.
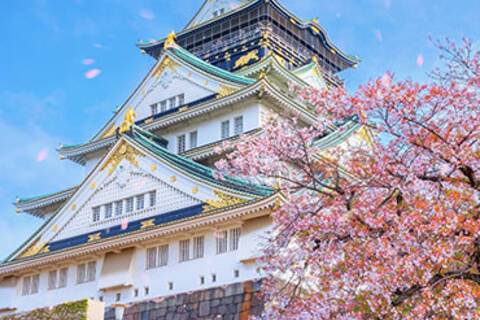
(185,275)
(209,130)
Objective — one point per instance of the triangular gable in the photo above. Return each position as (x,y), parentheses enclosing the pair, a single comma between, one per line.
(177,73)
(212,9)
(312,75)
(137,168)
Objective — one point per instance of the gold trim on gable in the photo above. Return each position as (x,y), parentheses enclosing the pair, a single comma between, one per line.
(245,59)
(223,200)
(123,152)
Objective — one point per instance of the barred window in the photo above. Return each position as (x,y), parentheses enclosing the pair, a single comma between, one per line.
(198,247)
(163,255)
(52,280)
(108,210)
(153,198)
(118,208)
(163,106)
(91,271)
(181,143)
(238,125)
(193,139)
(154,108)
(63,278)
(151,258)
(27,284)
(35,284)
(140,202)
(172,102)
(184,250)
(96,214)
(234,239)
(81,273)
(225,133)
(222,241)
(129,205)
(181,99)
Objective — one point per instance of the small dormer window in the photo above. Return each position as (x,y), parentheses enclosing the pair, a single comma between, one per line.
(238,125)
(181,143)
(154,109)
(163,106)
(181,100)
(225,129)
(193,139)
(108,210)
(129,205)
(96,214)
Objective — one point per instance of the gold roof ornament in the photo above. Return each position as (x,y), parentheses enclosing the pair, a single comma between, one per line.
(222,200)
(170,42)
(128,121)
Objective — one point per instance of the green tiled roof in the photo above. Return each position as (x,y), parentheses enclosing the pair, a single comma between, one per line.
(207,67)
(149,141)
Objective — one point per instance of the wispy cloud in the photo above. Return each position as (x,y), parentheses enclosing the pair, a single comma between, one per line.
(146,14)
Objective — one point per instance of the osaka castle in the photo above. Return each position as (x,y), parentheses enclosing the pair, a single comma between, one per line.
(151,224)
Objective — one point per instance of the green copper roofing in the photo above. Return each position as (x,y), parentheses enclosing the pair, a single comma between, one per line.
(44,196)
(149,141)
(207,67)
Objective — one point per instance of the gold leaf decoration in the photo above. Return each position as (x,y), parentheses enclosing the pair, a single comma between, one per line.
(195,190)
(147,224)
(223,200)
(94,237)
(110,131)
(243,60)
(166,63)
(128,121)
(225,91)
(33,250)
(124,152)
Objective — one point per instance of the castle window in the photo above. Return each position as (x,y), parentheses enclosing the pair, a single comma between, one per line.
(81,273)
(163,255)
(91,271)
(96,214)
(214,277)
(202,280)
(238,125)
(153,198)
(62,278)
(118,297)
(108,210)
(135,293)
(222,242)
(181,143)
(147,291)
(118,208)
(234,239)
(225,129)
(154,109)
(184,250)
(140,202)
(198,247)
(52,280)
(30,285)
(170,286)
(163,106)
(172,103)
(129,205)
(181,100)
(193,139)
(151,258)
(236,273)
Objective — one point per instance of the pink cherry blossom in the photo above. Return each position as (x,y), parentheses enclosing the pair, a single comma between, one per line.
(88,61)
(420,60)
(387,227)
(93,73)
(42,155)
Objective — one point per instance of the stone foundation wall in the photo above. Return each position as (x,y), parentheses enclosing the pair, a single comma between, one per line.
(233,302)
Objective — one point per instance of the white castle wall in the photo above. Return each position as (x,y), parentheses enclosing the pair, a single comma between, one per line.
(185,276)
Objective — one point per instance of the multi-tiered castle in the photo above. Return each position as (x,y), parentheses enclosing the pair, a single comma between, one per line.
(150,219)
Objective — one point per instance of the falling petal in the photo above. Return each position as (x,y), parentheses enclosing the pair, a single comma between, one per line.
(420,60)
(124,224)
(90,74)
(88,62)
(146,14)
(42,155)
(378,35)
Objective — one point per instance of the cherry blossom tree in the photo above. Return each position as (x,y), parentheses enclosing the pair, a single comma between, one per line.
(386,225)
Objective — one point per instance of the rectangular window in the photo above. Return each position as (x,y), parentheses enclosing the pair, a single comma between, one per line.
(234,239)
(181,143)
(163,255)
(172,103)
(81,273)
(193,139)
(35,284)
(238,125)
(108,210)
(27,284)
(91,271)
(52,280)
(153,198)
(129,205)
(154,108)
(96,214)
(198,247)
(63,278)
(151,258)
(222,241)
(118,208)
(140,202)
(163,106)
(181,99)
(225,129)
(184,250)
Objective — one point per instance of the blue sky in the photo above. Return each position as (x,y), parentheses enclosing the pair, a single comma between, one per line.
(48,46)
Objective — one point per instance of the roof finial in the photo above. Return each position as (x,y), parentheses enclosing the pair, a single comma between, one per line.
(170,40)
(129,121)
